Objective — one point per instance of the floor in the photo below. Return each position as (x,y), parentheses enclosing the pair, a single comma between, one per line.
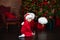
(43,35)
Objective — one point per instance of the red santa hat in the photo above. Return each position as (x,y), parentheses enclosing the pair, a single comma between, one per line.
(42,20)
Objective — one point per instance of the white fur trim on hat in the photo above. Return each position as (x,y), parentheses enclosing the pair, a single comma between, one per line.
(32,14)
(43,20)
(22,23)
(28,17)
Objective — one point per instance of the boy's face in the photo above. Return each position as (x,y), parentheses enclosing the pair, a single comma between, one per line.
(29,20)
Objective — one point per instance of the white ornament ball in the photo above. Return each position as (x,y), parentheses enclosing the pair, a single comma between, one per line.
(43,20)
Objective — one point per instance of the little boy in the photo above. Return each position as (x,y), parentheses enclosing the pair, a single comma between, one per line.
(26,27)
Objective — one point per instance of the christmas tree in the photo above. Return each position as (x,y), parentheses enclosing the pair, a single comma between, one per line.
(36,5)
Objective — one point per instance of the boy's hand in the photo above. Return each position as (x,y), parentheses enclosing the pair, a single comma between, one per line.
(33,33)
(42,25)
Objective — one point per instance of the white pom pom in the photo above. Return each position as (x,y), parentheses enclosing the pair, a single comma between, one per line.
(43,20)
(22,23)
(33,33)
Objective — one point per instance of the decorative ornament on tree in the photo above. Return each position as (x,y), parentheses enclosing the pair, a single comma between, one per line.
(48,2)
(39,1)
(40,4)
